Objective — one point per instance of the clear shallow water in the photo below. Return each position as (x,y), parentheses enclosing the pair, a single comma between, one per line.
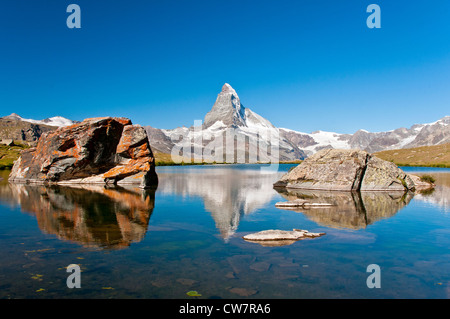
(187,235)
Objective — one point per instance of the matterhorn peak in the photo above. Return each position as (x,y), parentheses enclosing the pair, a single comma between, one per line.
(227,109)
(226,88)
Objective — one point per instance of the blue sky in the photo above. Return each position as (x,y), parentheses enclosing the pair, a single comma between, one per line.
(305,65)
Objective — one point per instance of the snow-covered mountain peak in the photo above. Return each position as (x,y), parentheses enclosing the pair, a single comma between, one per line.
(58,121)
(226,88)
(229,110)
(443,121)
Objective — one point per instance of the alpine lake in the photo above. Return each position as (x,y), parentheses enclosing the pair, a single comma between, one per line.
(184,239)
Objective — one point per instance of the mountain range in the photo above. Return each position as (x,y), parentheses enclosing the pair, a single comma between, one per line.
(57,121)
(229,113)
(209,139)
(229,123)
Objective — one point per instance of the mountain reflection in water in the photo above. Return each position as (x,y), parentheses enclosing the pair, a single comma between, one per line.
(228,193)
(113,218)
(94,216)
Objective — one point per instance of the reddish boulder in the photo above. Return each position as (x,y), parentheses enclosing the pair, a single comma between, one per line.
(99,150)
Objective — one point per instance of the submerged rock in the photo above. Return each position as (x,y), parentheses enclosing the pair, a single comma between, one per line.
(243,292)
(275,237)
(96,151)
(347,170)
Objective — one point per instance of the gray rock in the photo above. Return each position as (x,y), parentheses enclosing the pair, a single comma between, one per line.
(275,234)
(346,170)
(385,176)
(328,169)
(419,184)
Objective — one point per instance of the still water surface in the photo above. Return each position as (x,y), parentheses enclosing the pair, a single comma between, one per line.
(187,235)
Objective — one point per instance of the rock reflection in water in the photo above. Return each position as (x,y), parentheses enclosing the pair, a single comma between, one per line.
(94,216)
(352,210)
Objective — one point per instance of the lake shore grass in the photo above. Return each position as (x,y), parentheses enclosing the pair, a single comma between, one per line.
(9,154)
(424,156)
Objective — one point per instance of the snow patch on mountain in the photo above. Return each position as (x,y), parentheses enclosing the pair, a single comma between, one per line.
(53,121)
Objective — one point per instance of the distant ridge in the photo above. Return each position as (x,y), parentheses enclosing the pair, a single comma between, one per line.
(435,133)
(229,112)
(57,121)
(15,128)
